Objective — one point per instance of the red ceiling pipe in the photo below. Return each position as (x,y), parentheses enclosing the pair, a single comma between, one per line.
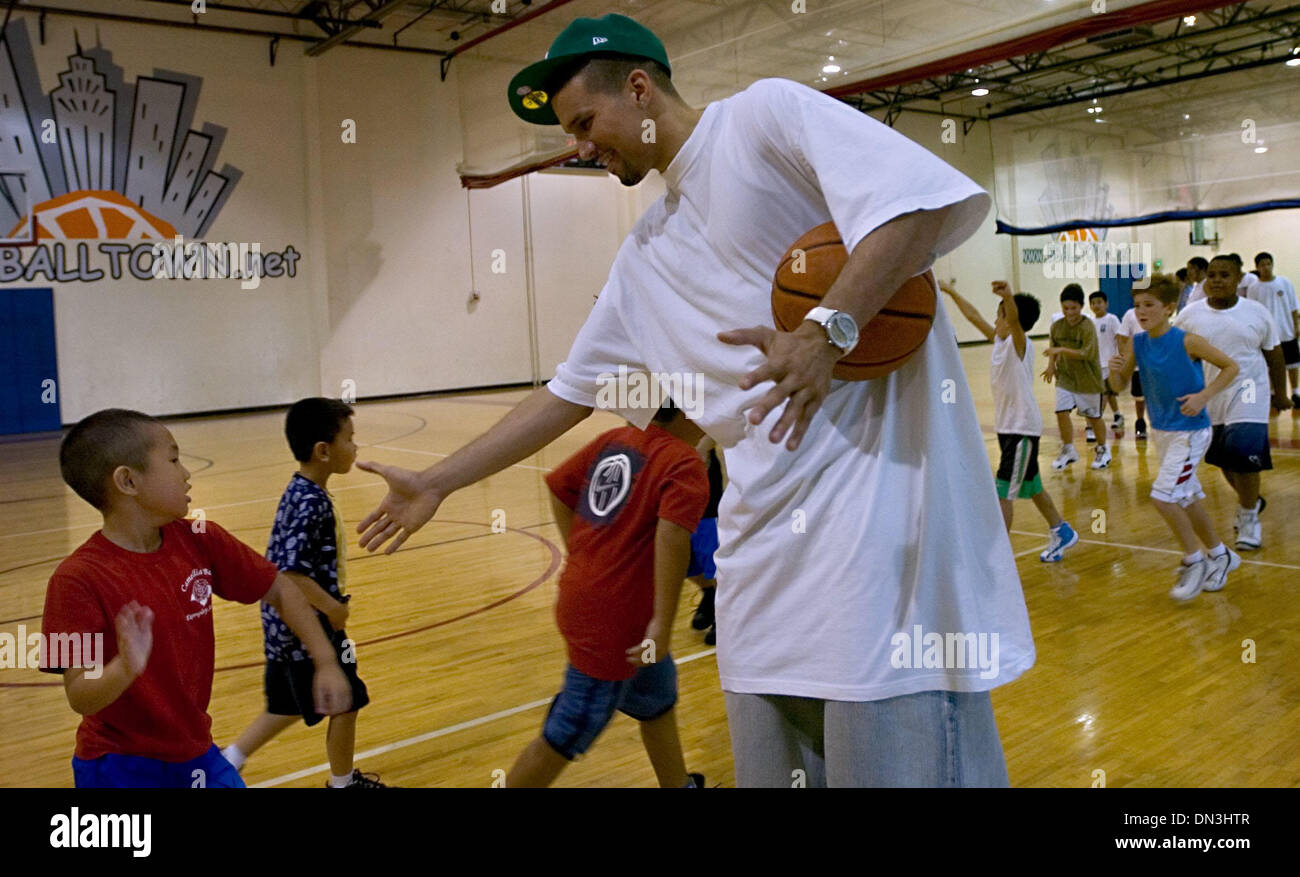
(541,10)
(1075,30)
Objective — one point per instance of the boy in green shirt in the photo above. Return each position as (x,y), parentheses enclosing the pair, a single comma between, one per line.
(1074,363)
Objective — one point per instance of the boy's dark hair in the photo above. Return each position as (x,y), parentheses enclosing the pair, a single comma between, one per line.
(1027,309)
(1099,294)
(311,420)
(1200,263)
(1181,274)
(98,445)
(1231,258)
(1073,292)
(1260,256)
(605,72)
(666,412)
(1163,287)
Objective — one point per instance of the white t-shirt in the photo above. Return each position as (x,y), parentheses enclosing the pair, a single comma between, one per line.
(1129,326)
(1015,409)
(1243,332)
(830,558)
(1248,281)
(1198,293)
(1107,346)
(1278,296)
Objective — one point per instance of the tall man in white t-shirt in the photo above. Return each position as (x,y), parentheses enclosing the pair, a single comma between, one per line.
(1277,294)
(860,523)
(1244,330)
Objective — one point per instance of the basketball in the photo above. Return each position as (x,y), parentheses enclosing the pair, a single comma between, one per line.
(887,341)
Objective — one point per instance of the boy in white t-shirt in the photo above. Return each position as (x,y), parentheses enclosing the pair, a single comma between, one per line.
(1128,327)
(1244,330)
(1277,294)
(1017,420)
(1107,346)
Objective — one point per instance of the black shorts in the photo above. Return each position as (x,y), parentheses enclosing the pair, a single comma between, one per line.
(1017,476)
(1291,352)
(1240,447)
(1135,385)
(288,685)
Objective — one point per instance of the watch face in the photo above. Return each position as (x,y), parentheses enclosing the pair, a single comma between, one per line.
(842,331)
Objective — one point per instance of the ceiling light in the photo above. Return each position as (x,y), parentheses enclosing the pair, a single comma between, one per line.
(831,66)
(1260,150)
(979,92)
(1189,20)
(1293,62)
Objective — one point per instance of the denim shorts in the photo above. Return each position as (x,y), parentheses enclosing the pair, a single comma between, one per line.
(209,771)
(585,705)
(931,739)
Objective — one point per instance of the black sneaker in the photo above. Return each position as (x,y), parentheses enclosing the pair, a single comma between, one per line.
(362,781)
(711,638)
(1295,400)
(697,780)
(703,617)
(1141,428)
(1261,505)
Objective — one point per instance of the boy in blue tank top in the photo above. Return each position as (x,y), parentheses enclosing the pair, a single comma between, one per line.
(1180,429)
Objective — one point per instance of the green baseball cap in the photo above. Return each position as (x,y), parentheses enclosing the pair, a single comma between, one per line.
(531,90)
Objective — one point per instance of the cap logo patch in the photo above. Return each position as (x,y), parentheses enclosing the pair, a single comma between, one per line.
(535,99)
(596,41)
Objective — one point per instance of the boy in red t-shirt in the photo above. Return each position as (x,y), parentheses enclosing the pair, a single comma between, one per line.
(143,586)
(626,505)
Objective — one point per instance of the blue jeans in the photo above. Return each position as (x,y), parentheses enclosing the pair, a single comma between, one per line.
(932,739)
(585,705)
(210,770)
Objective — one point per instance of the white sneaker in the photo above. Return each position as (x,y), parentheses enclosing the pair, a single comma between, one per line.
(1219,568)
(1067,456)
(1249,532)
(1101,455)
(1191,578)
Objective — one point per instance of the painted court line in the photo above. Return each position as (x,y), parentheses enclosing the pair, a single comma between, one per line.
(230,505)
(441,732)
(1244,559)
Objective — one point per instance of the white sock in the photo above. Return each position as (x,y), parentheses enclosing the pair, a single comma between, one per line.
(1219,550)
(1067,448)
(1195,557)
(232,754)
(340,782)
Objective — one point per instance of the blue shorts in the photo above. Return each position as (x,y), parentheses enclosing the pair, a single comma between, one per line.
(209,771)
(585,705)
(704,541)
(1240,447)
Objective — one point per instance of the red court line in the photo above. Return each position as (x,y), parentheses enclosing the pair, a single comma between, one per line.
(550,571)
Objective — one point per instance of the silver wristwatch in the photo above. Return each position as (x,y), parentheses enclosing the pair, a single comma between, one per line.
(840,328)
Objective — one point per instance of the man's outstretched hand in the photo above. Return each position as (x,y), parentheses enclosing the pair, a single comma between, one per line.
(800,363)
(409,505)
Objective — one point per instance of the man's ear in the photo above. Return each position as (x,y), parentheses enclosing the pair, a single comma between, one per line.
(124,480)
(321,451)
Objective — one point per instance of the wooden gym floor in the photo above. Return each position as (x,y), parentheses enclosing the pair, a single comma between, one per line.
(457,640)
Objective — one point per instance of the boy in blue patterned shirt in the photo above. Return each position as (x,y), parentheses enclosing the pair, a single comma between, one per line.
(307,544)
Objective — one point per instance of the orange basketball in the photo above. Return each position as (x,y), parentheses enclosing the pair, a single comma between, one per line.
(886,342)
